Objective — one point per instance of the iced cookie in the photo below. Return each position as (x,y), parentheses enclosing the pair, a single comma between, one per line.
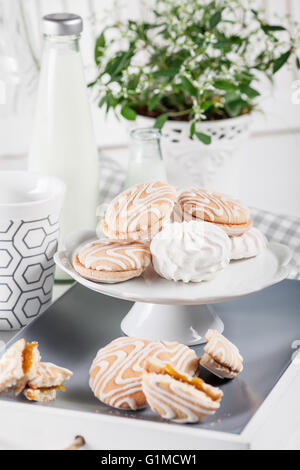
(180,356)
(221,357)
(18,365)
(190,251)
(116,372)
(48,379)
(139,212)
(178,397)
(223,211)
(111,260)
(252,243)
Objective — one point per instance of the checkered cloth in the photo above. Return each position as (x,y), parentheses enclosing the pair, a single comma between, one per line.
(282,229)
(277,228)
(112,178)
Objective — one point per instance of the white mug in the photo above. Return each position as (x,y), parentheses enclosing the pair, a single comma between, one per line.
(30,206)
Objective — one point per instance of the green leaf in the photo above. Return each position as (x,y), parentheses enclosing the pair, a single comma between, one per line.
(153,102)
(102,101)
(188,86)
(215,19)
(224,44)
(99,48)
(268,28)
(118,63)
(91,84)
(205,139)
(169,73)
(192,129)
(249,91)
(128,113)
(158,55)
(234,108)
(232,96)
(160,121)
(206,105)
(281,61)
(298,62)
(225,85)
(133,82)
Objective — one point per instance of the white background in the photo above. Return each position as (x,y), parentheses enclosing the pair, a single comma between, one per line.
(270,161)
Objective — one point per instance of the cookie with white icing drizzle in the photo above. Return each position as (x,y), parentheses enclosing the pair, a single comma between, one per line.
(178,397)
(111,260)
(181,356)
(139,212)
(225,212)
(221,357)
(116,372)
(49,375)
(48,379)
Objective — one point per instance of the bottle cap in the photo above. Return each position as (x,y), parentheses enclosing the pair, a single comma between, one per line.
(62,24)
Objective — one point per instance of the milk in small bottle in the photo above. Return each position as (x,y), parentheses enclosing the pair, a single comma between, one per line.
(63,142)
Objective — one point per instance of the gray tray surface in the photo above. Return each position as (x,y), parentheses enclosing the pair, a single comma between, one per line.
(262,325)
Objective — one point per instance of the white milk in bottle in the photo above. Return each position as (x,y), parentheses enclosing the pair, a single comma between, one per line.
(63,142)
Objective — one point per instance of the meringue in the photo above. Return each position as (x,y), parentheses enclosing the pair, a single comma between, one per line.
(190,251)
(252,243)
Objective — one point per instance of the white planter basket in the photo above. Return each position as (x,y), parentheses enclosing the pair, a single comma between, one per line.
(192,163)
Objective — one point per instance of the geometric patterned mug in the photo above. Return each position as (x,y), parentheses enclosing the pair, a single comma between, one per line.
(30,206)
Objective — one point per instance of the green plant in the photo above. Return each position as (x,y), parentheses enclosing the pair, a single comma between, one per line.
(197,60)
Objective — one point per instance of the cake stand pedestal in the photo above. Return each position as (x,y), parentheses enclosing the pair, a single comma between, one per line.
(189,323)
(175,311)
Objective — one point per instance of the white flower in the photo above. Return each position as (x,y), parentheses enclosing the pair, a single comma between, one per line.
(105,78)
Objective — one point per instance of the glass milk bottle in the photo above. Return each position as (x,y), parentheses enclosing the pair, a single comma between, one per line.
(63,142)
(145,160)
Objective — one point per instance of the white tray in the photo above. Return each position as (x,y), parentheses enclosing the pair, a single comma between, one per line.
(260,408)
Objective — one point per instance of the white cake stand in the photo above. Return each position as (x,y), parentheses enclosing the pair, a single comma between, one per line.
(175,311)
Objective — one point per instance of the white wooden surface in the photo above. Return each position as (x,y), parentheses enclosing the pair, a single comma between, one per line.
(275,426)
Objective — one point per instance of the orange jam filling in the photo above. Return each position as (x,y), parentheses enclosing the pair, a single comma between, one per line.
(43,391)
(28,354)
(199,384)
(47,389)
(30,396)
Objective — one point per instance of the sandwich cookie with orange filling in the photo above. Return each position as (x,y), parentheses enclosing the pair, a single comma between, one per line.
(48,379)
(117,370)
(140,212)
(221,210)
(178,397)
(112,261)
(221,357)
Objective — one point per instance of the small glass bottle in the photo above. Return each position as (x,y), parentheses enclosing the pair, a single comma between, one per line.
(63,142)
(145,160)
